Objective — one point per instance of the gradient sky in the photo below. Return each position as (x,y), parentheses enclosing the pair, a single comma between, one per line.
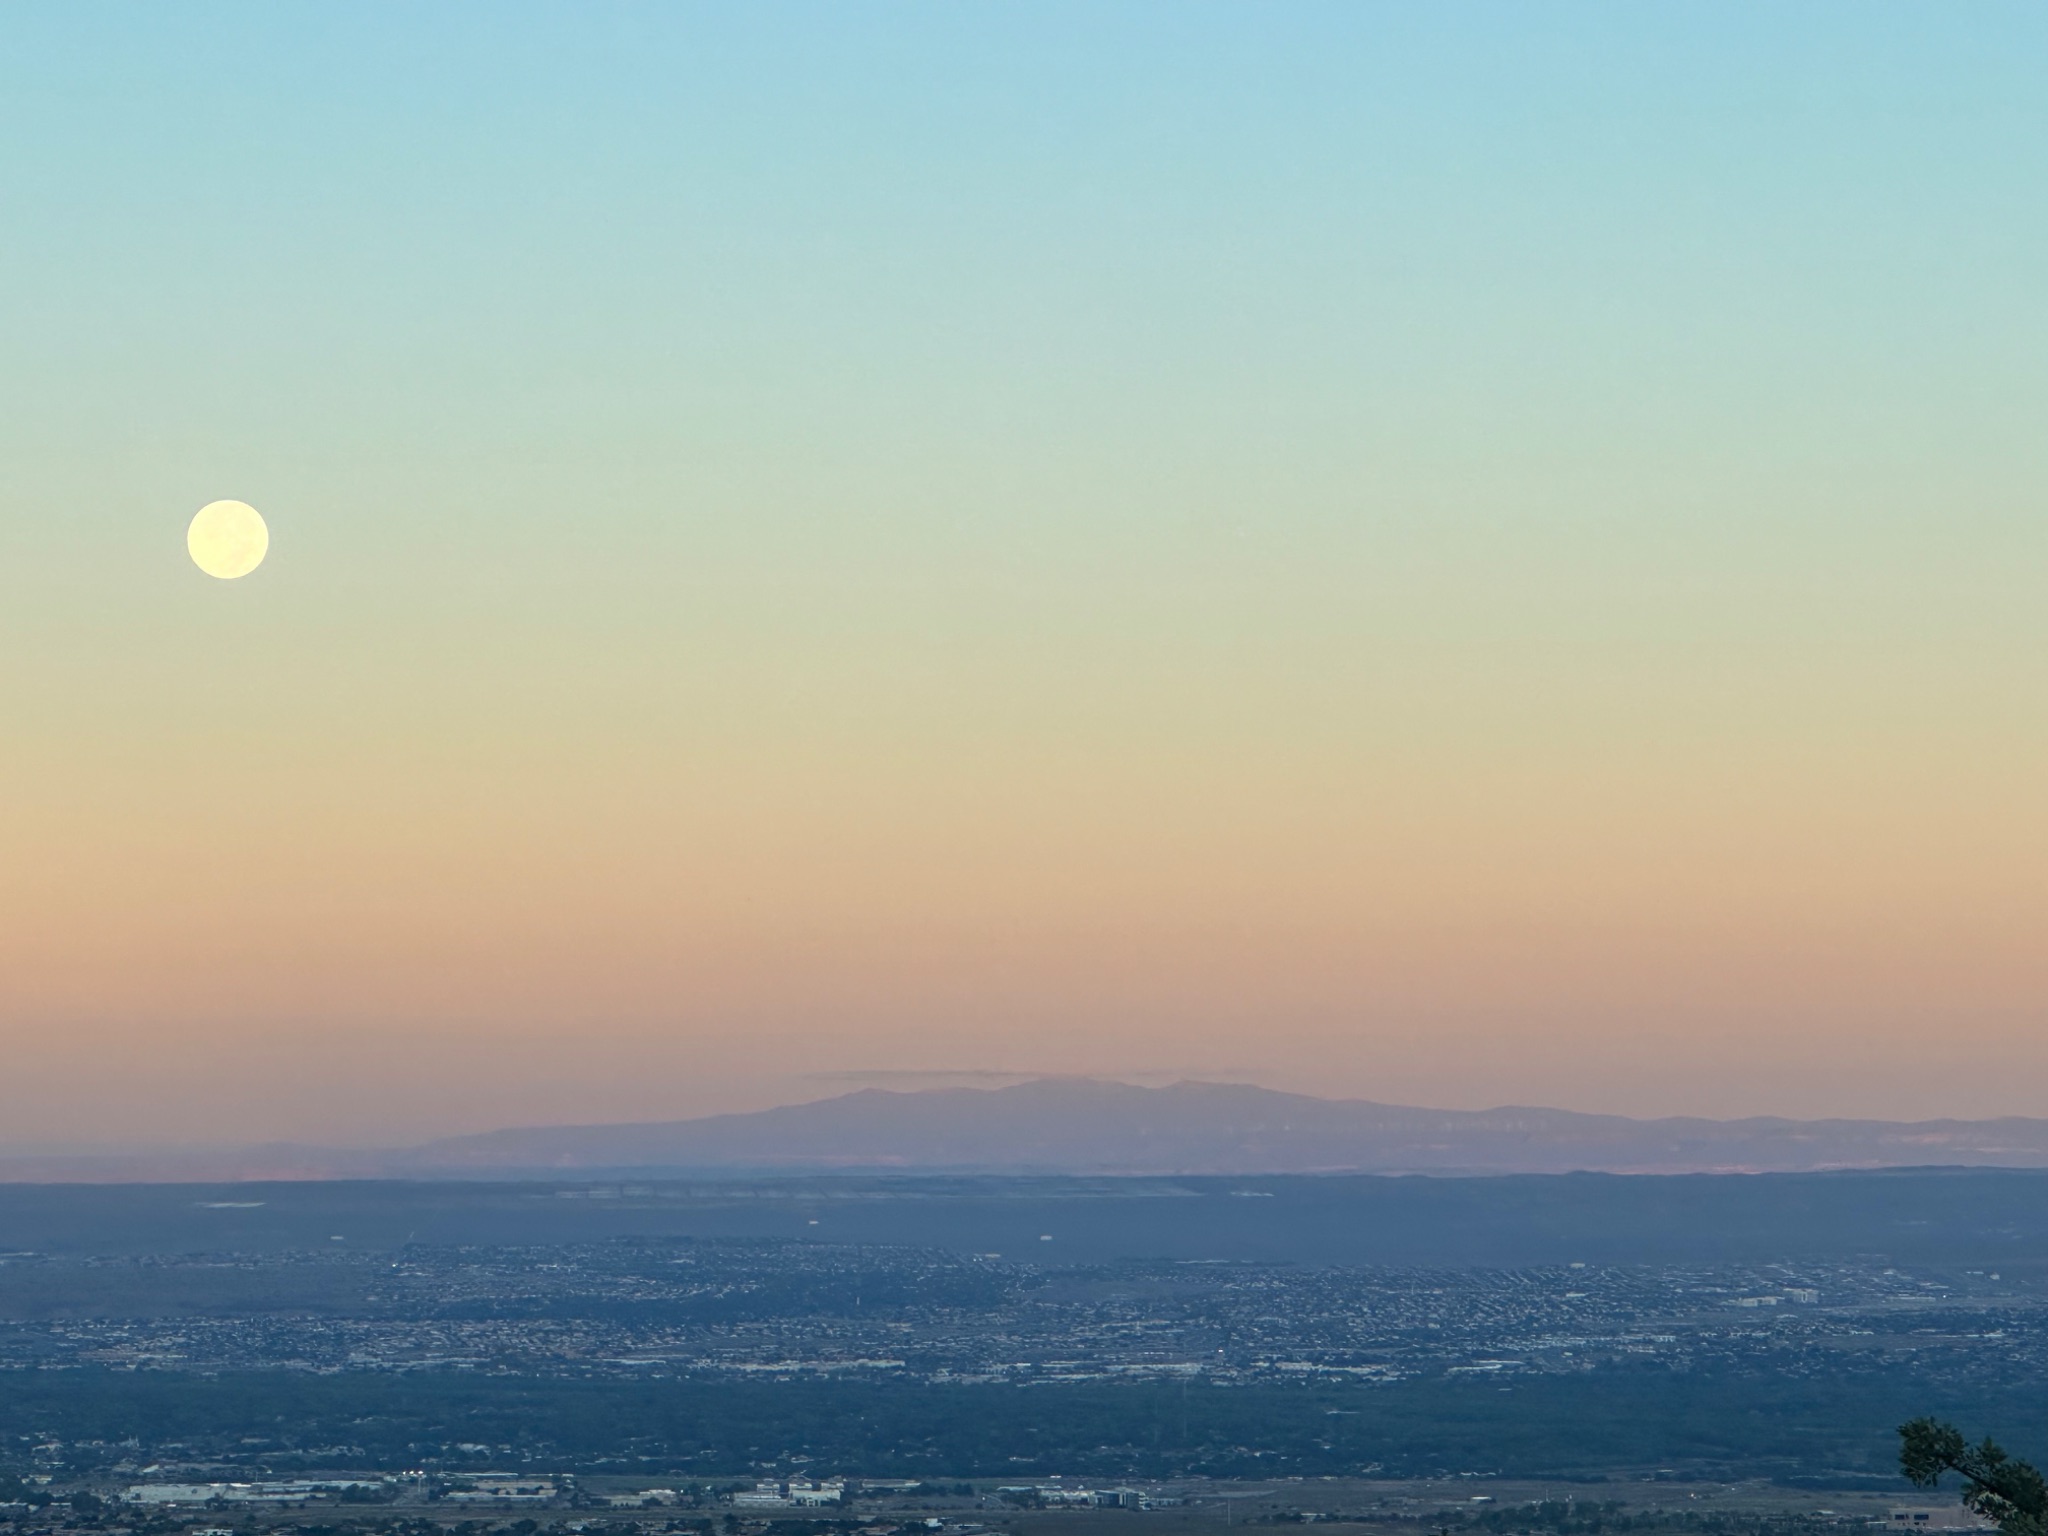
(1448,553)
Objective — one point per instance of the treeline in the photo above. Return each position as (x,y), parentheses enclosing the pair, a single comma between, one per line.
(1586,1426)
(1571,1517)
(1610,1517)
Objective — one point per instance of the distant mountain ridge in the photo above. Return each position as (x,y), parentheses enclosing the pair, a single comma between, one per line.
(1085,1126)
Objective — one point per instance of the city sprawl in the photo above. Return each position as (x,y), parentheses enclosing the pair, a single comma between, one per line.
(639,1308)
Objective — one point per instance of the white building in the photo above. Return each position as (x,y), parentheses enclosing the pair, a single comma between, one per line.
(798,1492)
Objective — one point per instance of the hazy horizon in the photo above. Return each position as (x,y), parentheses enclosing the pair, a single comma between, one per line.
(919,1083)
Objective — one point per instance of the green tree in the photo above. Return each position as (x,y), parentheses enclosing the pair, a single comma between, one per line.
(1997,1487)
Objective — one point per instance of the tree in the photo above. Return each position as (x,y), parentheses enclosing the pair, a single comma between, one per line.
(1999,1488)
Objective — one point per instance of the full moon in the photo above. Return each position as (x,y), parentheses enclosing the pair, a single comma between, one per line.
(227,539)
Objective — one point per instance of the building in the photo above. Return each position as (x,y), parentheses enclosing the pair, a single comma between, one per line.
(794,1494)
(1940,1517)
(294,1492)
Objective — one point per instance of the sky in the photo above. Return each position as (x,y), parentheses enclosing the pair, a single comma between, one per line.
(1454,554)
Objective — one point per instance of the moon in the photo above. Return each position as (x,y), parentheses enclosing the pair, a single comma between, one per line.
(227,539)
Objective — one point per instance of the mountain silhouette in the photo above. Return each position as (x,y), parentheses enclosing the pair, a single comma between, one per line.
(1081,1126)
(1069,1125)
